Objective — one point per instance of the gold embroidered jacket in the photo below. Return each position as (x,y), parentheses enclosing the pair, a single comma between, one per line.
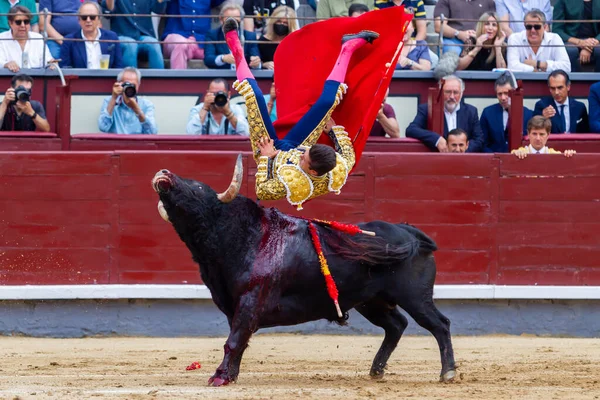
(285,178)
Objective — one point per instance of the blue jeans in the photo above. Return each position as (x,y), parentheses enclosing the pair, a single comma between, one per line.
(54,50)
(450,44)
(151,47)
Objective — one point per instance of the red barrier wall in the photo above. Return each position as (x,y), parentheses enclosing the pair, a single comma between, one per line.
(90,217)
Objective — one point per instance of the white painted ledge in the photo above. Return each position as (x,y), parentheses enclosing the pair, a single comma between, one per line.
(455,292)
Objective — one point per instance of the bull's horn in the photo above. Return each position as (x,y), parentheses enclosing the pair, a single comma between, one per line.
(236,182)
(162,211)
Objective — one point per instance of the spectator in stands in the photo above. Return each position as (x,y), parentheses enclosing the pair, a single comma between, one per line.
(282,22)
(338,8)
(566,114)
(271,100)
(216,115)
(415,7)
(59,26)
(18,112)
(462,27)
(536,50)
(218,55)
(306,11)
(181,34)
(594,103)
(515,10)
(132,28)
(415,53)
(538,131)
(583,38)
(458,141)
(495,118)
(124,112)
(458,114)
(386,122)
(88,53)
(7,5)
(357,9)
(19,47)
(258,12)
(488,47)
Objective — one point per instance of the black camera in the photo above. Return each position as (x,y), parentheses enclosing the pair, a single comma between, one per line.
(129,89)
(221,99)
(22,94)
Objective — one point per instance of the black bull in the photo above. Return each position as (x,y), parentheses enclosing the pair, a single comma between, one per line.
(262,270)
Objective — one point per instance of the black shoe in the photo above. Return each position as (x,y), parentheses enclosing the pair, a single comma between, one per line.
(369,36)
(230,25)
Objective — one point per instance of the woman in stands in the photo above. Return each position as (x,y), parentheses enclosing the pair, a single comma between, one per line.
(415,53)
(487,50)
(280,24)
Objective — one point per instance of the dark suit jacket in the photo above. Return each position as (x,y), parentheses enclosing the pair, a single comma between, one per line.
(492,126)
(594,102)
(73,54)
(211,51)
(578,115)
(568,10)
(466,119)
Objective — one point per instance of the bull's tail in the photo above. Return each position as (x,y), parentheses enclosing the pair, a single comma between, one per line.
(426,244)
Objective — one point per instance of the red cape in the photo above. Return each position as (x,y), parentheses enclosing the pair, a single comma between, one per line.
(305,58)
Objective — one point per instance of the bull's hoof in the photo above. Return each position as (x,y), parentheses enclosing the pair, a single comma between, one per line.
(377,374)
(448,376)
(218,381)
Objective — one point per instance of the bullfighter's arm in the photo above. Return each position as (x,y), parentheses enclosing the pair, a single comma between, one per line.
(268,187)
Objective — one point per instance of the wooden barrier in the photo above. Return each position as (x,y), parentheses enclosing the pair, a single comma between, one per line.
(91,218)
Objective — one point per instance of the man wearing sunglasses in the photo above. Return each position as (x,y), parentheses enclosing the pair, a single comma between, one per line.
(535,50)
(84,49)
(19,47)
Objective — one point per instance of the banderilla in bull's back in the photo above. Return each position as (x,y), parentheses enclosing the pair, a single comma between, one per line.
(263,269)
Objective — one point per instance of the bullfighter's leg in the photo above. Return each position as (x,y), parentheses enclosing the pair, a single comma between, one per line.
(308,130)
(387,316)
(243,325)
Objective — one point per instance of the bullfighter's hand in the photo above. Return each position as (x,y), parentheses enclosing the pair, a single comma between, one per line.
(442,145)
(330,124)
(228,58)
(117,90)
(25,107)
(12,66)
(267,147)
(549,112)
(9,96)
(254,61)
(521,154)
(570,153)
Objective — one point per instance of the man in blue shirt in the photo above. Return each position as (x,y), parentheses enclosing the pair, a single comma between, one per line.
(59,26)
(131,28)
(178,31)
(124,112)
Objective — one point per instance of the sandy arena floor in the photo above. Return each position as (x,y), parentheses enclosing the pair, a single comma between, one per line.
(298,367)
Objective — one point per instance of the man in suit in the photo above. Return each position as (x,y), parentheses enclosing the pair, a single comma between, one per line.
(458,114)
(495,118)
(87,53)
(594,102)
(567,114)
(218,55)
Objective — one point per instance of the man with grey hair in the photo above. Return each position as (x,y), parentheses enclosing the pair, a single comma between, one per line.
(218,55)
(457,114)
(124,111)
(535,49)
(85,48)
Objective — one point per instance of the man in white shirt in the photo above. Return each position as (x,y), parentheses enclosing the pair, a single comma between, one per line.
(26,49)
(538,131)
(515,10)
(536,50)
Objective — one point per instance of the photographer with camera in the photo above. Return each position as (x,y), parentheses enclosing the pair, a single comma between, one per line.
(216,115)
(18,112)
(124,112)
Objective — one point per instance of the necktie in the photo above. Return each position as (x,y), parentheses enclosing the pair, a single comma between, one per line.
(563,120)
(507,129)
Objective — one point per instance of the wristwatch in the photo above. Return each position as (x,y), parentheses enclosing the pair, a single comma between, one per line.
(34,115)
(456,33)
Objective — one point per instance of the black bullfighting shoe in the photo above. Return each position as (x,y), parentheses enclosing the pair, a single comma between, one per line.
(369,36)
(230,25)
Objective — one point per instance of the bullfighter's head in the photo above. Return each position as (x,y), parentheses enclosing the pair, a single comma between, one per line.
(174,190)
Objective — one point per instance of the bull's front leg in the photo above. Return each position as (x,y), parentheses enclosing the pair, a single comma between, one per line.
(243,325)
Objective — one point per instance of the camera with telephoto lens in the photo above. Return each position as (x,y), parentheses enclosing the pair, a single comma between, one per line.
(221,99)
(129,89)
(22,94)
